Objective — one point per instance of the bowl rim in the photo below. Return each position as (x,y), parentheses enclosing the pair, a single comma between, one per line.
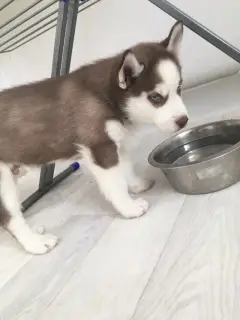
(217,155)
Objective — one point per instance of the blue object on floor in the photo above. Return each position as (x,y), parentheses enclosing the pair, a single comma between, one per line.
(75,165)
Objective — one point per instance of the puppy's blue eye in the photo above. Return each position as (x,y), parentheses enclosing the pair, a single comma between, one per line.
(155,97)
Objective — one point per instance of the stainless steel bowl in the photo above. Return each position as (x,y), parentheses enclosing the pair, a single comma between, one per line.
(201,160)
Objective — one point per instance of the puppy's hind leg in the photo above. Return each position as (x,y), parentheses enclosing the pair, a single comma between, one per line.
(12,219)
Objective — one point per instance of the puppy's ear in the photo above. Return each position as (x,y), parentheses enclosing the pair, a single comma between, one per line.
(173,41)
(130,69)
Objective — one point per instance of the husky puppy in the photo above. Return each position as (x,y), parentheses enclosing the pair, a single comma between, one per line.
(87,114)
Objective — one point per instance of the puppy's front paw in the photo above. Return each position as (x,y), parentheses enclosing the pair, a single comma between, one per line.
(135,209)
(140,185)
(40,243)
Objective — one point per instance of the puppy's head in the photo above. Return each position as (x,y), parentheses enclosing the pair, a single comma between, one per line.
(150,78)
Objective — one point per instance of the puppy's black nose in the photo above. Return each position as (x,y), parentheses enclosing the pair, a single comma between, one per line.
(182,121)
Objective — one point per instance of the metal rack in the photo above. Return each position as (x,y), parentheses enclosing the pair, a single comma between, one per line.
(48,14)
(45,13)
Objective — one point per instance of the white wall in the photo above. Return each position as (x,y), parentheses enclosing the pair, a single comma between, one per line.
(112,25)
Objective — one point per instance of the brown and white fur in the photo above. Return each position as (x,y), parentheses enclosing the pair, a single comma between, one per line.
(88,114)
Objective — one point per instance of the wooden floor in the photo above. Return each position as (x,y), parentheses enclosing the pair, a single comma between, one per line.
(181,261)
